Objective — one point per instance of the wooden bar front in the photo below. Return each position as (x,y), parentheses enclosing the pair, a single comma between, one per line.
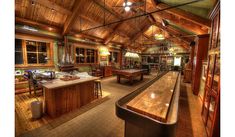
(65,96)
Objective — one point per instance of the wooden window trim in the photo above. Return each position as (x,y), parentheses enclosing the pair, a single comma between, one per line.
(24,51)
(85,55)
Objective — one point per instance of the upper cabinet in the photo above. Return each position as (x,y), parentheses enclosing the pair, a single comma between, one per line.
(211,100)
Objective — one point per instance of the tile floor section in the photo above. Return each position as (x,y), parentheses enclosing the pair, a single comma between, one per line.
(101,120)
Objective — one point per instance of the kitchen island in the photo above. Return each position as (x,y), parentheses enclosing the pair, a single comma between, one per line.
(65,96)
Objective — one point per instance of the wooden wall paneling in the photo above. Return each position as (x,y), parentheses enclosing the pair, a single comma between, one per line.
(200,54)
(66,99)
(86,91)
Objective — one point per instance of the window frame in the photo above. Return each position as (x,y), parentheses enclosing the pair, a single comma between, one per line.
(85,55)
(49,52)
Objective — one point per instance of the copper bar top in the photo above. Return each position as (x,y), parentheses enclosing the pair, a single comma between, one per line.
(155,101)
(57,83)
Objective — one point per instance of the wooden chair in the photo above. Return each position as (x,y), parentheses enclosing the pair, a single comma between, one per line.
(96,71)
(33,84)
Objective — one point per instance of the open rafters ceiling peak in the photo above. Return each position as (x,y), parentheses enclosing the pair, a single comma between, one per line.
(92,12)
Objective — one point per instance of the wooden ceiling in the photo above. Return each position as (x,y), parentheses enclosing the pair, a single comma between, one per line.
(76,17)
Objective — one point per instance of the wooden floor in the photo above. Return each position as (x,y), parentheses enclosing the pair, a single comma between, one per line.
(23,117)
(98,119)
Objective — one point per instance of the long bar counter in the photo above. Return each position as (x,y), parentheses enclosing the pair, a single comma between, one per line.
(151,110)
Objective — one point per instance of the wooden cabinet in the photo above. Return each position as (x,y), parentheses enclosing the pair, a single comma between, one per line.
(199,54)
(211,100)
(107,71)
(187,75)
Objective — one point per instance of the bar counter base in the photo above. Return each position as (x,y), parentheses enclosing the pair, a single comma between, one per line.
(65,99)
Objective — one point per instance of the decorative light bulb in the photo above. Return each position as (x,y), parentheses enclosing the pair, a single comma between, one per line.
(128,3)
(152,95)
(127,8)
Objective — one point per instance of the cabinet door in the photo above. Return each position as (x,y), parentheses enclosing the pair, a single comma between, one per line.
(210,70)
(205,106)
(211,114)
(215,81)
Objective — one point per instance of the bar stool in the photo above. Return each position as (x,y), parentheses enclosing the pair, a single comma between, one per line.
(98,89)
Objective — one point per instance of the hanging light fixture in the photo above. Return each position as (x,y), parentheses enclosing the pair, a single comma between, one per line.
(159,36)
(127,5)
(131,55)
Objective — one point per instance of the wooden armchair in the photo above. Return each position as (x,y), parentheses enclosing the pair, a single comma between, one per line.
(96,71)
(33,83)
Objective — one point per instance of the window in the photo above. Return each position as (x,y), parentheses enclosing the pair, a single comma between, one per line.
(18,52)
(86,55)
(113,57)
(80,55)
(90,56)
(36,52)
(33,53)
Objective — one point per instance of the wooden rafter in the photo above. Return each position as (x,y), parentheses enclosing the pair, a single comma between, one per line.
(186,15)
(139,33)
(108,28)
(53,5)
(173,32)
(37,24)
(94,38)
(71,19)
(187,21)
(109,9)
(170,30)
(112,34)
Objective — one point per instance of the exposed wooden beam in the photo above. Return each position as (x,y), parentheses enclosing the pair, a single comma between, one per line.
(108,28)
(112,34)
(192,24)
(142,30)
(186,15)
(107,8)
(91,37)
(172,31)
(71,19)
(37,24)
(82,35)
(53,5)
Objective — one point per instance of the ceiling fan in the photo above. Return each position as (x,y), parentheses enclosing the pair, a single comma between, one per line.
(127,5)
